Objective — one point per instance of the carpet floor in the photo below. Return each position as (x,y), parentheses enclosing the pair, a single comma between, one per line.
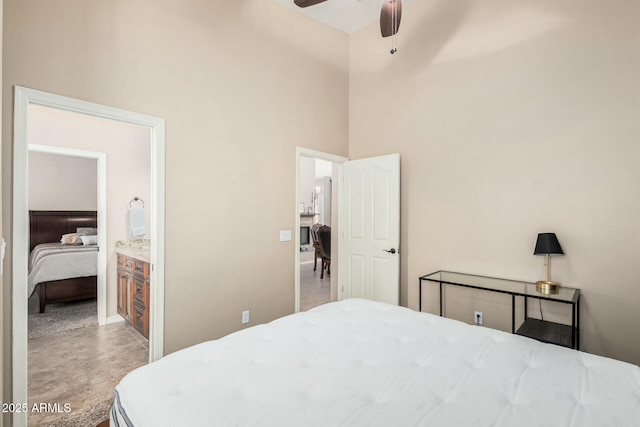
(60,317)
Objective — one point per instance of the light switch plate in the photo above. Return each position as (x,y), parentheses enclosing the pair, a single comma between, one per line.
(285,235)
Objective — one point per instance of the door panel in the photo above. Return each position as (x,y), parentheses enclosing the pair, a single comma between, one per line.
(381,204)
(382,268)
(357,274)
(370,205)
(355,185)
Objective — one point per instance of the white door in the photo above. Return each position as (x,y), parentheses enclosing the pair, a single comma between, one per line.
(369,224)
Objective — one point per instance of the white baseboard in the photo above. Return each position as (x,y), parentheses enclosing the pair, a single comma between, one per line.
(114,319)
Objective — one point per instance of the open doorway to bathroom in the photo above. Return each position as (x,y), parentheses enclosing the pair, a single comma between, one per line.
(77,368)
(74,357)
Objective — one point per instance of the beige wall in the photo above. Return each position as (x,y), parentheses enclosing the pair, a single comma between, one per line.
(240,84)
(128,151)
(513,118)
(59,182)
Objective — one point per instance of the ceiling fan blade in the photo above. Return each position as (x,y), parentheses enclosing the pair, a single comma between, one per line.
(390,18)
(307,3)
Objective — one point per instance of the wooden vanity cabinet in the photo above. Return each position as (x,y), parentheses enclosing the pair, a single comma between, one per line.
(133,292)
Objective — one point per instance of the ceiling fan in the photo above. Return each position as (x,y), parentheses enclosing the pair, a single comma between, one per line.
(390,16)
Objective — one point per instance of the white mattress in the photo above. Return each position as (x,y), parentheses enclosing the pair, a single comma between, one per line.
(357,363)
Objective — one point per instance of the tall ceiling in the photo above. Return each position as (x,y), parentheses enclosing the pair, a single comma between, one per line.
(345,15)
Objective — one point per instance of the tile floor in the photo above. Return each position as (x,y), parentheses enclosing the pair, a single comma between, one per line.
(81,367)
(314,291)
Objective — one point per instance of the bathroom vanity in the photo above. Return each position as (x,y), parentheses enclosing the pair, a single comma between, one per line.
(134,283)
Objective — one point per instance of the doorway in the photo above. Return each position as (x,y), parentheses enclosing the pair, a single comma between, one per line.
(44,153)
(24,99)
(316,204)
(66,187)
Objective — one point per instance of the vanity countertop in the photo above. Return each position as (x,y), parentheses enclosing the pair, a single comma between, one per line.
(138,249)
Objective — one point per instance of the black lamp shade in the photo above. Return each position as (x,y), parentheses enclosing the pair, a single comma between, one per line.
(547,243)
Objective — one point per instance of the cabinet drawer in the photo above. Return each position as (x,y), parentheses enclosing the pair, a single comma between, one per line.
(139,286)
(139,267)
(138,303)
(125,263)
(138,319)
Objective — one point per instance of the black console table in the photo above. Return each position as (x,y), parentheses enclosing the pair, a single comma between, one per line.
(542,330)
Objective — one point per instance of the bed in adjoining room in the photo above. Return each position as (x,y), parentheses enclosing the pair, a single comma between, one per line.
(358,362)
(63,261)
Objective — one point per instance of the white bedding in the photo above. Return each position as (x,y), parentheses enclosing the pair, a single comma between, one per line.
(358,362)
(82,261)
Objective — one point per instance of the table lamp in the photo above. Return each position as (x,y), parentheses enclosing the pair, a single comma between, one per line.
(547,244)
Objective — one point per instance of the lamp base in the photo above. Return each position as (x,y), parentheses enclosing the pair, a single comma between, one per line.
(547,287)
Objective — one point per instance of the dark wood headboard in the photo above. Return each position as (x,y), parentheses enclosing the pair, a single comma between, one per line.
(49,226)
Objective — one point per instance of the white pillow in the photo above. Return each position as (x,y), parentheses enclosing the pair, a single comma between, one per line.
(87,231)
(89,240)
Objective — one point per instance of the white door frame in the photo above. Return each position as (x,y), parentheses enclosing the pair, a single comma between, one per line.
(22,99)
(306,152)
(101,159)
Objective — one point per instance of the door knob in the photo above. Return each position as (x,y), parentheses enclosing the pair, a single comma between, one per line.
(392,251)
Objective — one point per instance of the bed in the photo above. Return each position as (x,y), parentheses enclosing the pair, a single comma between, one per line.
(69,273)
(358,362)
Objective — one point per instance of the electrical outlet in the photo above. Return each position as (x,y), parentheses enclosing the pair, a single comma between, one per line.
(245,317)
(477,317)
